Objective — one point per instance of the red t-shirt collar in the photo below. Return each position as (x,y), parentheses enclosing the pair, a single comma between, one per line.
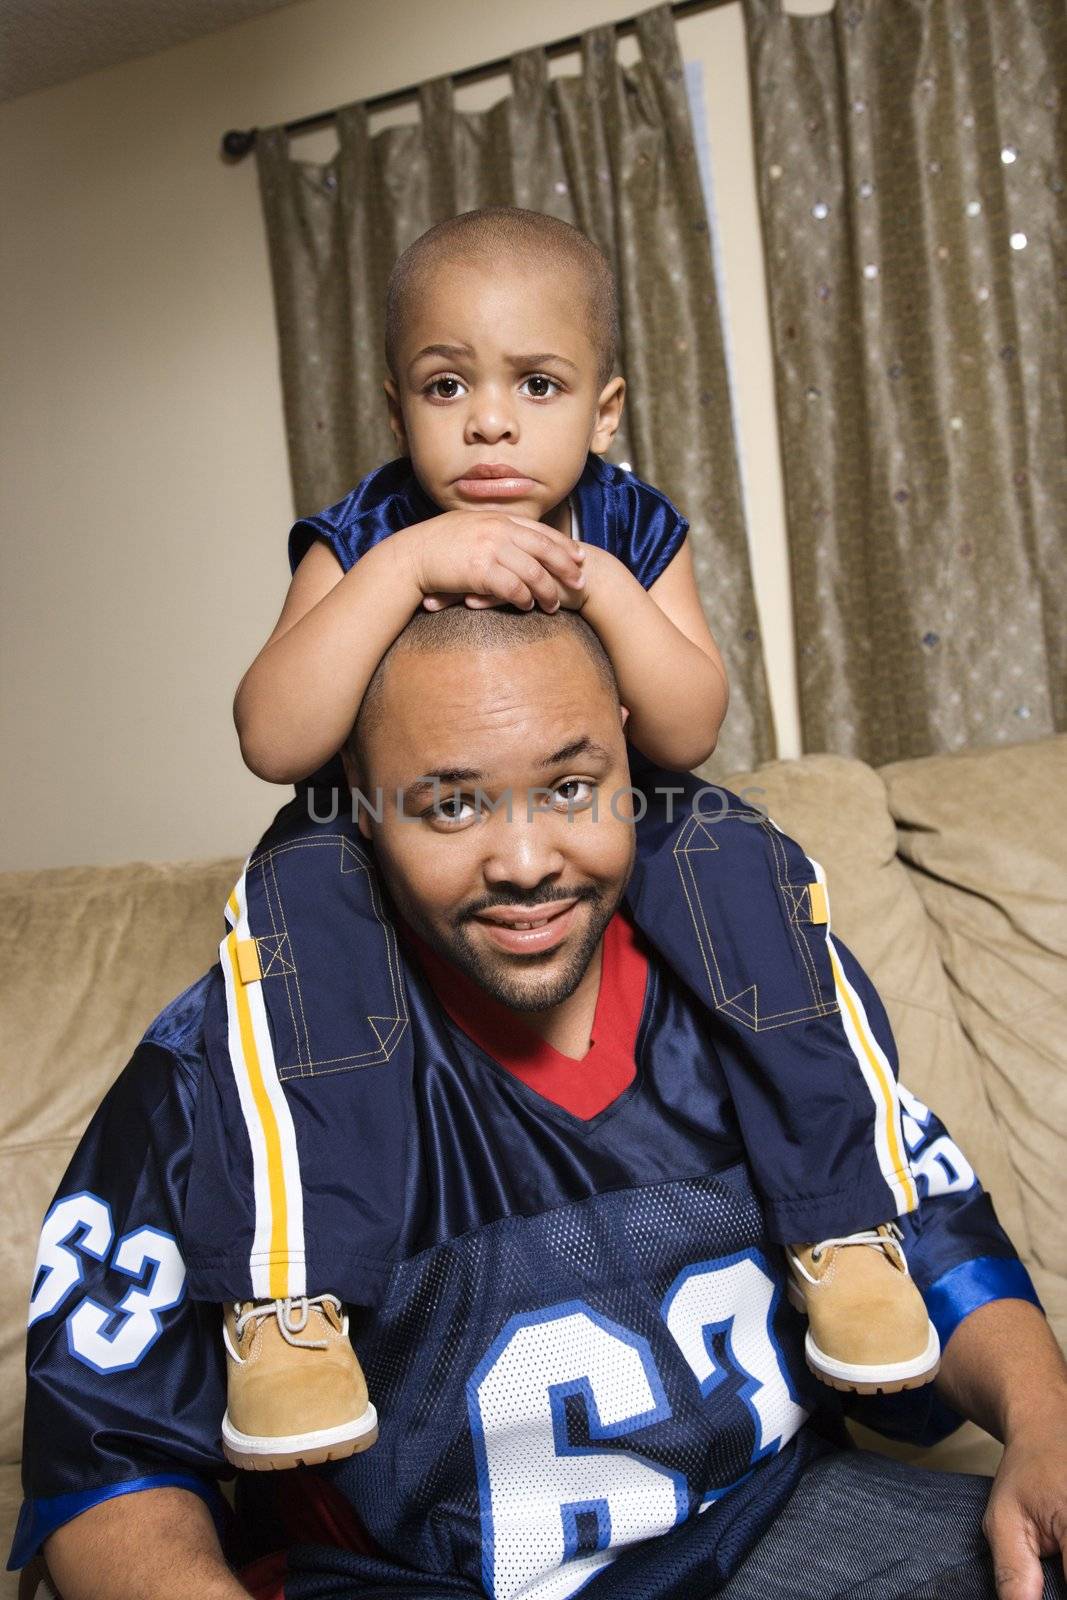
(583,1087)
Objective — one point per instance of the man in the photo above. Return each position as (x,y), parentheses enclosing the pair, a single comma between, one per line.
(598,1379)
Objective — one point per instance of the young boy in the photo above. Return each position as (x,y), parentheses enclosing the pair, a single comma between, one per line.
(500,341)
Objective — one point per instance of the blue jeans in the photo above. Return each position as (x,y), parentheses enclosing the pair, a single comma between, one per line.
(862,1527)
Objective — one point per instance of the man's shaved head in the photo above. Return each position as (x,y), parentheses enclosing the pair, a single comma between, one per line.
(469,629)
(496,236)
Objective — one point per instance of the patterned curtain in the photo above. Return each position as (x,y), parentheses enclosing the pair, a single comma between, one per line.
(611,151)
(911,179)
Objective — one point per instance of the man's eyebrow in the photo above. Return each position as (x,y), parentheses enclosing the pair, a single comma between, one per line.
(429,782)
(449,351)
(577,747)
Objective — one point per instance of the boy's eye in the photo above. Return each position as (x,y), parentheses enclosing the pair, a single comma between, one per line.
(434,386)
(546,385)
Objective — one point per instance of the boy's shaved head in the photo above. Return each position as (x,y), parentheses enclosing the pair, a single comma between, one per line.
(494,237)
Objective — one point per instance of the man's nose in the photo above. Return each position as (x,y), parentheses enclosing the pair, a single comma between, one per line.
(491,416)
(523,850)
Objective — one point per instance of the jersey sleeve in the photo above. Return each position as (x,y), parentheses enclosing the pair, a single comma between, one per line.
(385,501)
(629,518)
(125,1375)
(959,1255)
(657,530)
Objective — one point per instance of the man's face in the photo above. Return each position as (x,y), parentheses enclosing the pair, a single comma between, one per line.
(518,903)
(496,368)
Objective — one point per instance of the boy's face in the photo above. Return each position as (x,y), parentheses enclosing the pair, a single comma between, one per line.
(513,384)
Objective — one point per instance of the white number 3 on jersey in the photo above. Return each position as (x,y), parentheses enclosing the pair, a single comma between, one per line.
(108,1339)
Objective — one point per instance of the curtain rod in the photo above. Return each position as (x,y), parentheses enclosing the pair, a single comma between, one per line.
(239,141)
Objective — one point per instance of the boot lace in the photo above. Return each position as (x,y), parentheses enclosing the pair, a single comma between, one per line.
(887,1238)
(292,1316)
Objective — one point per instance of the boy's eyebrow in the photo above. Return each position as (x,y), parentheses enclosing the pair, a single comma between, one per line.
(454,352)
(446,350)
(541,359)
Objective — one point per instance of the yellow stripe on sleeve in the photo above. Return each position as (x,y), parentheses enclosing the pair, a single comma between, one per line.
(901,1170)
(279,1250)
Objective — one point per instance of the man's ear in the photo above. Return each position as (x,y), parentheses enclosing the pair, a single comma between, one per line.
(624,715)
(396,416)
(353,778)
(608,415)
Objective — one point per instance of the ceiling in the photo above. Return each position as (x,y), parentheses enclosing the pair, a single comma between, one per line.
(44,42)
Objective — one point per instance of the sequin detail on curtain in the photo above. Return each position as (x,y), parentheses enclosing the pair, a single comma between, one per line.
(910,163)
(611,151)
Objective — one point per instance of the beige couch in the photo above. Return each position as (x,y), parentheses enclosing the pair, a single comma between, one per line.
(948,878)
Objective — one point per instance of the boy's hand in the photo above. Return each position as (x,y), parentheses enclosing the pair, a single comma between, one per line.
(492,558)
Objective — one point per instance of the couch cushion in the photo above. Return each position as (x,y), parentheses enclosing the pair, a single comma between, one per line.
(837,809)
(90,955)
(10,1501)
(984,832)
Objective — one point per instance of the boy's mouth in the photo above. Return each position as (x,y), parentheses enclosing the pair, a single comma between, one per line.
(493,480)
(491,469)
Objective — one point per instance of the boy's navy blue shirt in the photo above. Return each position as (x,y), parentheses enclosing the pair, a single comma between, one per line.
(617,512)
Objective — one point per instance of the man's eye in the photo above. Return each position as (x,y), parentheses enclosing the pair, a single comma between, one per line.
(573,794)
(546,387)
(434,385)
(451,810)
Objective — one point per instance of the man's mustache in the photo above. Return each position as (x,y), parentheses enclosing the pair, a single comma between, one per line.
(539,897)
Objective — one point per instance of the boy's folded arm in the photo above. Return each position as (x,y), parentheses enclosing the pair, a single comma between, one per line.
(296,704)
(670,673)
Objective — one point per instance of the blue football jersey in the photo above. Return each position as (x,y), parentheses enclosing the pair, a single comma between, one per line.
(586,1368)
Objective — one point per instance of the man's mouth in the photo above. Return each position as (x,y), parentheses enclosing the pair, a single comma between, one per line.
(529,930)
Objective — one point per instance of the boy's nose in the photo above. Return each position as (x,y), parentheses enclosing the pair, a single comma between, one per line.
(490,419)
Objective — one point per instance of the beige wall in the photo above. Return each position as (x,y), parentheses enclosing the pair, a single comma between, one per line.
(145,497)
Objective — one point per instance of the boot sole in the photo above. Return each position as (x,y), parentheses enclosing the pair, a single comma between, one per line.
(892,1378)
(266,1454)
(851,1386)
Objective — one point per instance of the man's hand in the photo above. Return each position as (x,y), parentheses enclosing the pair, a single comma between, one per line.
(1002,1368)
(491,558)
(1027,1513)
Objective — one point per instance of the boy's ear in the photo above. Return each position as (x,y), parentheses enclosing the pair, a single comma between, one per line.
(608,415)
(396,416)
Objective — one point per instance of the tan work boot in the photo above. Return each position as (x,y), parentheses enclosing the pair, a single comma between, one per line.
(296,1394)
(868,1328)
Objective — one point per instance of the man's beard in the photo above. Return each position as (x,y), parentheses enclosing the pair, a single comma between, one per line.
(513,981)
